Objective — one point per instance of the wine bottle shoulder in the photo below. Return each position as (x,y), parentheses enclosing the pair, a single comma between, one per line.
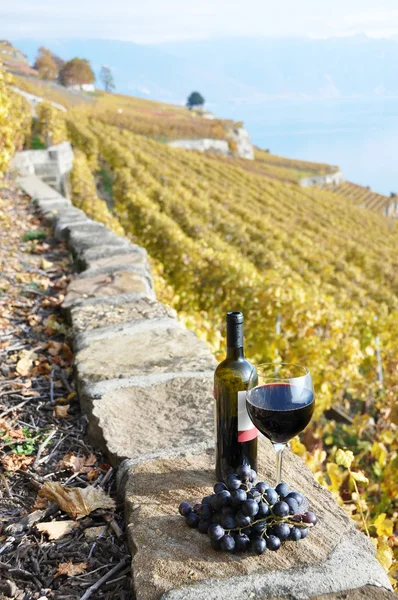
(230,369)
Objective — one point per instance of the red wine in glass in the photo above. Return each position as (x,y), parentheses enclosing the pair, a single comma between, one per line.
(280,404)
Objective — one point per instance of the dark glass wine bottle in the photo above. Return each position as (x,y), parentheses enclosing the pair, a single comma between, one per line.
(236,436)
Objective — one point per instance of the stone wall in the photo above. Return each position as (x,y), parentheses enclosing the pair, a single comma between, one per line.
(52,165)
(329,178)
(238,135)
(146,385)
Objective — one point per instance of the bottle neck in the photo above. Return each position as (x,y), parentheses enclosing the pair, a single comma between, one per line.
(234,353)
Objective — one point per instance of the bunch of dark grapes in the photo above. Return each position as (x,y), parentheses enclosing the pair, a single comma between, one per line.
(245,514)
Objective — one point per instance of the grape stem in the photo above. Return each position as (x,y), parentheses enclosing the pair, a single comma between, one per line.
(272,521)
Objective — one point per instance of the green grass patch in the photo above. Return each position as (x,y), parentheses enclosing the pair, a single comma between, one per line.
(34,235)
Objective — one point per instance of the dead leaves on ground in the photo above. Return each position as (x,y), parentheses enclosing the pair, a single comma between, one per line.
(76,502)
(56,529)
(70,569)
(61,411)
(79,464)
(13,462)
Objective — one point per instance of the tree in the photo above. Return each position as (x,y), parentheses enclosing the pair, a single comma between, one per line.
(195,99)
(107,78)
(76,72)
(46,65)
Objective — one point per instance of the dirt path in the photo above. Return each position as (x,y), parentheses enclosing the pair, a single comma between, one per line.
(60,535)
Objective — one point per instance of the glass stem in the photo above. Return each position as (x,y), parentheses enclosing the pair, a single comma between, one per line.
(279,448)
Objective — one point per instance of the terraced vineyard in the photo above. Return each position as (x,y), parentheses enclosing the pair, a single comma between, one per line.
(228,234)
(362,197)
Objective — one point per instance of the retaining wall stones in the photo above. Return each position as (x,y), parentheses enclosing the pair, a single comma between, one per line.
(146,383)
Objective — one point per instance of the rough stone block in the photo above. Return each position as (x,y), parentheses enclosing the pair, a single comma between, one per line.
(107,314)
(148,415)
(119,260)
(36,188)
(79,241)
(104,285)
(105,251)
(173,562)
(66,224)
(146,347)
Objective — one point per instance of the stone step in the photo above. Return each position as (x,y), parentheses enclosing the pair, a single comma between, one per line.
(81,291)
(143,347)
(146,415)
(117,311)
(171,561)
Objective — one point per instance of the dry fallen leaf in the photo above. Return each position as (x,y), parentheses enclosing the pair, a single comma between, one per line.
(8,430)
(45,264)
(56,529)
(40,503)
(70,569)
(78,464)
(61,411)
(76,502)
(54,348)
(13,462)
(25,362)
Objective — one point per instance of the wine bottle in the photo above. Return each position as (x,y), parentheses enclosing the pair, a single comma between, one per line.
(236,436)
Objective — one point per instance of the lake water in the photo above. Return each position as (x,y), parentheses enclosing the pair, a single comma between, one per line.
(360,136)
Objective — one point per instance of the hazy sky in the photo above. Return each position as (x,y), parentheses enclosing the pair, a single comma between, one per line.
(151,21)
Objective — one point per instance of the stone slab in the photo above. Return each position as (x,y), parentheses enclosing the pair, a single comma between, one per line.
(118,260)
(171,561)
(367,592)
(105,251)
(147,415)
(105,285)
(36,188)
(79,223)
(80,241)
(94,316)
(145,348)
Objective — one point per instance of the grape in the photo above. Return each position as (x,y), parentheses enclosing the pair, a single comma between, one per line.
(259,546)
(246,486)
(273,543)
(242,520)
(261,486)
(213,501)
(271,496)
(250,508)
(215,532)
(227,543)
(223,498)
(204,525)
(215,544)
(192,520)
(219,487)
(282,489)
(309,517)
(254,495)
(184,509)
(232,482)
(244,472)
(216,518)
(303,532)
(295,534)
(280,509)
(228,510)
(197,507)
(228,522)
(263,510)
(297,496)
(282,531)
(242,543)
(205,511)
(292,504)
(259,527)
(207,499)
(253,476)
(238,496)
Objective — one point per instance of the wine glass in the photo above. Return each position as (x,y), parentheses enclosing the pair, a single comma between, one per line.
(280,402)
